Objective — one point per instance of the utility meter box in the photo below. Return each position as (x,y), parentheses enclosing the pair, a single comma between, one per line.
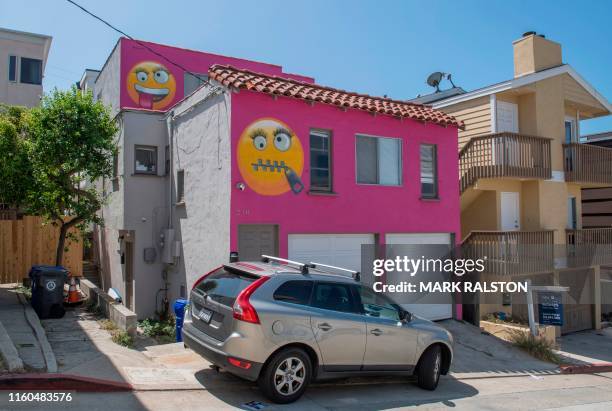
(168,247)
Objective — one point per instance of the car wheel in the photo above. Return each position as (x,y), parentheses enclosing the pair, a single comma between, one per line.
(286,376)
(429,368)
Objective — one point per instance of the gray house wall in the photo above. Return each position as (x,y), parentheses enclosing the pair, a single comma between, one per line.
(136,204)
(141,207)
(108,84)
(202,149)
(145,205)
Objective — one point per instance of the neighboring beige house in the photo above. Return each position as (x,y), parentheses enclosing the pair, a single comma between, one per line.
(23,57)
(522,169)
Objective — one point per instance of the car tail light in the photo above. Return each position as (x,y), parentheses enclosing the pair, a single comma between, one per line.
(204,276)
(245,365)
(243,310)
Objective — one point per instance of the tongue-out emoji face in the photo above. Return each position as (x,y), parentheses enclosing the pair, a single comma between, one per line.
(151,85)
(270,158)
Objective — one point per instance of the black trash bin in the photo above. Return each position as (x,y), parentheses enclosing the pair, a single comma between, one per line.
(48,290)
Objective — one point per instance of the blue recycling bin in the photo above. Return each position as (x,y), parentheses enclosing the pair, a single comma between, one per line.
(179,314)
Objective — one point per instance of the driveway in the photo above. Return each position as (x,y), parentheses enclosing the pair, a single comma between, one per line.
(587,347)
(478,354)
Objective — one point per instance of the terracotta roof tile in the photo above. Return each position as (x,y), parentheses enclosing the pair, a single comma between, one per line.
(244,79)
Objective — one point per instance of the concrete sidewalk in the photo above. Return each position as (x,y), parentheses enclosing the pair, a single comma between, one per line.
(586,347)
(14,320)
(480,355)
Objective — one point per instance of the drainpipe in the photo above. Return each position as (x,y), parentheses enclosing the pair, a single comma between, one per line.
(170,127)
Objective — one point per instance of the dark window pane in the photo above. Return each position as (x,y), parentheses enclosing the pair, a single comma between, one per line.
(297,292)
(31,71)
(180,186)
(12,71)
(429,177)
(145,160)
(320,161)
(224,286)
(319,178)
(336,297)
(367,160)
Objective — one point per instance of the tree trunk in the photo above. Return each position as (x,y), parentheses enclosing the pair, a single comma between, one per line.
(59,252)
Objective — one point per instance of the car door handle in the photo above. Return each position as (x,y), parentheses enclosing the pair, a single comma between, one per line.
(324,326)
(376,331)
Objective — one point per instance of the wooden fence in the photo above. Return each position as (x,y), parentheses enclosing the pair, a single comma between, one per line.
(27,242)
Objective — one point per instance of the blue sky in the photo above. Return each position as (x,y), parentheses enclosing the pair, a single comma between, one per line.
(377,46)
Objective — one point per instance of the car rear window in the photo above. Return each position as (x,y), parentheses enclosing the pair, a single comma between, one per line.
(296,292)
(223,286)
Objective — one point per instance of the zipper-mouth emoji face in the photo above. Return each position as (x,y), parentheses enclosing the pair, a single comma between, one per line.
(151,85)
(270,157)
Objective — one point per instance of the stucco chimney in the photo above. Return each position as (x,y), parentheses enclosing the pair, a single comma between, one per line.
(533,52)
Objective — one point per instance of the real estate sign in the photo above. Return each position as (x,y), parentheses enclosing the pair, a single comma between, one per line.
(550,308)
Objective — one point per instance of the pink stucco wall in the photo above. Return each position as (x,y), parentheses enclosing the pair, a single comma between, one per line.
(197,62)
(356,208)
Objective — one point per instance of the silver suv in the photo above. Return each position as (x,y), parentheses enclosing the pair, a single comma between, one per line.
(283,324)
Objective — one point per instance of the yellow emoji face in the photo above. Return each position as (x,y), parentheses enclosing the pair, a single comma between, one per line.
(270,157)
(151,85)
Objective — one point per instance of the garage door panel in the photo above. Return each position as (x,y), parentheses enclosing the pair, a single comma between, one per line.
(422,304)
(342,250)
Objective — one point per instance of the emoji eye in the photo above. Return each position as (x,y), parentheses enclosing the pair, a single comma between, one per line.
(161,76)
(142,76)
(282,141)
(260,142)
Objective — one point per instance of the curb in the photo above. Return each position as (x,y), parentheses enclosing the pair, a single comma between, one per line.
(62,382)
(9,352)
(586,369)
(41,336)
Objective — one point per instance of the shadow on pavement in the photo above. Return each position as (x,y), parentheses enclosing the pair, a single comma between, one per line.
(370,393)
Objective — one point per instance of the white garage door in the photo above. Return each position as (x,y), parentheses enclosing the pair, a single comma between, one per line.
(419,303)
(340,250)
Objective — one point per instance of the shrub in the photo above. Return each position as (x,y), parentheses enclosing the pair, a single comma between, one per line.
(160,330)
(537,347)
(122,338)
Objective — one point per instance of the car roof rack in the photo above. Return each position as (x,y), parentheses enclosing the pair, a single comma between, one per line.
(326,269)
(295,264)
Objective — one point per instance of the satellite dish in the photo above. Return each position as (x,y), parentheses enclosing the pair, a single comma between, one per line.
(434,80)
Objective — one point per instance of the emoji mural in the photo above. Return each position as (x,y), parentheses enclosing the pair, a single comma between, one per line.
(270,157)
(151,85)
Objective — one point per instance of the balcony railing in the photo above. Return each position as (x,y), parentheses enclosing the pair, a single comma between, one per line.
(589,236)
(585,163)
(511,252)
(589,246)
(504,155)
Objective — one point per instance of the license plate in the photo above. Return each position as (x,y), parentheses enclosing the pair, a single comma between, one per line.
(204,315)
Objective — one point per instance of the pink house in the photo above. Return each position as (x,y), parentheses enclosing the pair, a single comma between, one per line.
(259,161)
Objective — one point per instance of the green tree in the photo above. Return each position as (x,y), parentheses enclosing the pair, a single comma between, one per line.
(70,144)
(15,167)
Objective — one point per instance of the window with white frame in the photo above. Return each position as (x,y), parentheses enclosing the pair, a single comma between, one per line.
(145,160)
(379,160)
